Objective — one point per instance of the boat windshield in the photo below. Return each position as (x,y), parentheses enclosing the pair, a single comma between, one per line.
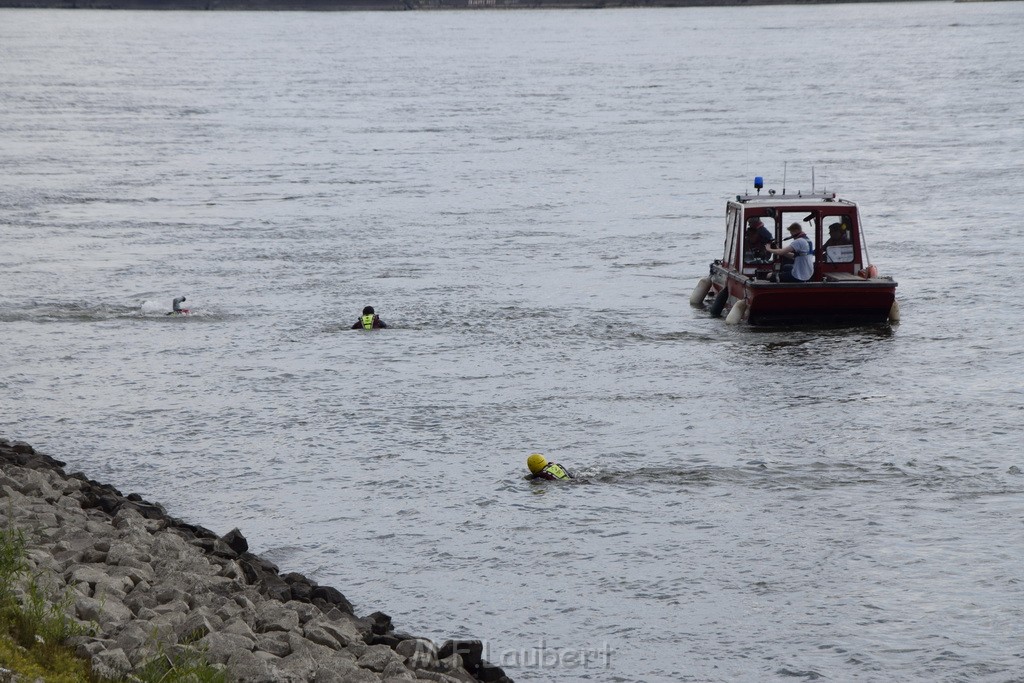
(838,245)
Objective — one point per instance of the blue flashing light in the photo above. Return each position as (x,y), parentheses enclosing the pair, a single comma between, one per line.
(758,182)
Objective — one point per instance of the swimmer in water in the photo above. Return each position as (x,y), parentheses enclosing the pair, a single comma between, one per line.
(540,468)
(176,308)
(369,320)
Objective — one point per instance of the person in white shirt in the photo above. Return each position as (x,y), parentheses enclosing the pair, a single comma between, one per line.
(801,250)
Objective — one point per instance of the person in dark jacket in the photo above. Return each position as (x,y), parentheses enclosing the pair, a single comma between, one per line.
(368,320)
(837,235)
(540,468)
(176,308)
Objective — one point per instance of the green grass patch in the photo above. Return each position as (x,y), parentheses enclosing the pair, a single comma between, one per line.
(32,635)
(34,630)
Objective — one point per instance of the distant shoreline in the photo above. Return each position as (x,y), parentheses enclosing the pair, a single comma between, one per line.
(403,5)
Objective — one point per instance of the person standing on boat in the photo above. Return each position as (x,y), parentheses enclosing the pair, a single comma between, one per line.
(540,468)
(801,250)
(368,320)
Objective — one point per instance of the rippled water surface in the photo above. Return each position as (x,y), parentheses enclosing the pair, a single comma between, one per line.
(528,199)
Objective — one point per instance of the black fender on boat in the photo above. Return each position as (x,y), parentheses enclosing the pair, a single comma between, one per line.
(719,303)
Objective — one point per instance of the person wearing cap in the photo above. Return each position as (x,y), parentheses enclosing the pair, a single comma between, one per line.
(368,320)
(801,250)
(837,235)
(540,468)
(757,239)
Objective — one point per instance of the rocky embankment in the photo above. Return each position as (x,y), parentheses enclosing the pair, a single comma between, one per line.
(147,584)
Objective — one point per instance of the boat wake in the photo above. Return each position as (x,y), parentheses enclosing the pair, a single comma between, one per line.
(58,312)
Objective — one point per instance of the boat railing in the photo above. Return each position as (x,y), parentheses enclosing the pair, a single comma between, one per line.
(798,197)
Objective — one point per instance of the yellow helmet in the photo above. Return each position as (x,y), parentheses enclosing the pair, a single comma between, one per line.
(536,462)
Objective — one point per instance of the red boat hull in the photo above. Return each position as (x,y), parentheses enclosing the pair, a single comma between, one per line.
(854,300)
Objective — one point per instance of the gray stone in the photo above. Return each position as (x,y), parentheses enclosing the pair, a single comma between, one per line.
(235,541)
(304,610)
(342,630)
(250,668)
(344,672)
(45,521)
(275,643)
(127,519)
(318,653)
(470,652)
(170,593)
(243,601)
(87,647)
(137,572)
(166,623)
(174,607)
(113,664)
(219,647)
(133,635)
(95,526)
(419,653)
(239,627)
(377,658)
(228,610)
(36,485)
(450,663)
(113,586)
(93,556)
(71,504)
(272,616)
(145,613)
(396,671)
(197,624)
(232,570)
(168,546)
(332,596)
(107,612)
(75,543)
(321,636)
(42,559)
(298,666)
(121,551)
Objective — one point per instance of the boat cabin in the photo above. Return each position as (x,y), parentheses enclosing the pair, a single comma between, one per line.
(761,286)
(833,226)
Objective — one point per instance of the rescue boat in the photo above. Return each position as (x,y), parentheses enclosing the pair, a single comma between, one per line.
(747,282)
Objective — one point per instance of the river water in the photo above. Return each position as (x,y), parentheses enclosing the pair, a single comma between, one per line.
(528,199)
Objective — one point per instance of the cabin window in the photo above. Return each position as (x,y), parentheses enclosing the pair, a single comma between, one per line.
(838,244)
(758,233)
(732,235)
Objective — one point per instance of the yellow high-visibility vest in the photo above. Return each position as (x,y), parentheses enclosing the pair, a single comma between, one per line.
(367,321)
(556,471)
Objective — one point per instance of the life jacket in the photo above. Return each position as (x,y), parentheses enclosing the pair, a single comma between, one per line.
(367,321)
(556,471)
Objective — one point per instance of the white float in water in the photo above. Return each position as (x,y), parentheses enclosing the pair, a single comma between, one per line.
(700,291)
(736,313)
(894,312)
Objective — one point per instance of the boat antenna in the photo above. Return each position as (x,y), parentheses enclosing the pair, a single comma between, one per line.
(812,180)
(784,177)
